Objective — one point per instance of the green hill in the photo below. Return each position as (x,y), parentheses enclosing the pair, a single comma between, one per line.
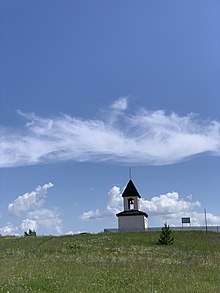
(111,262)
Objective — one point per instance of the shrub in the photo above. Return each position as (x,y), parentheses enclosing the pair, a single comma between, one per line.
(30,233)
(166,237)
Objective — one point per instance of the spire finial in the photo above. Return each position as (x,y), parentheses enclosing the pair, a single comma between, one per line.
(130,173)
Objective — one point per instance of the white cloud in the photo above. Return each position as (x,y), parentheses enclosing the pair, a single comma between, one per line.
(30,207)
(115,202)
(28,224)
(144,138)
(47,218)
(9,229)
(93,214)
(30,200)
(114,205)
(120,104)
(198,219)
(165,207)
(166,204)
(74,233)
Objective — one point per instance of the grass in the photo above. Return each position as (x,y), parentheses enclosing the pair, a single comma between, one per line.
(111,262)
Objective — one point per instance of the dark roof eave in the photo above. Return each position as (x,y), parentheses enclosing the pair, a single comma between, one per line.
(132,213)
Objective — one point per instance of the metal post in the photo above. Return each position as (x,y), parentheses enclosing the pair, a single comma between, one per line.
(206,228)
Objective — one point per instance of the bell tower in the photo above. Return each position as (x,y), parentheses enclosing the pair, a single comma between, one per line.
(131,197)
(132,218)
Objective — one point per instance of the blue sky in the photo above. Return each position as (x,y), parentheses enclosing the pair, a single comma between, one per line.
(90,88)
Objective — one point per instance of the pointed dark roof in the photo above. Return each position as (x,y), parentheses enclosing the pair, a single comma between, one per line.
(130,190)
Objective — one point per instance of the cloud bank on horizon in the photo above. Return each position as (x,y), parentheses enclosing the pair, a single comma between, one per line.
(165,207)
(29,213)
(141,138)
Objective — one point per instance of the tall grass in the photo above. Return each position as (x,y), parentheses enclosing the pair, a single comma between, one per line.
(111,262)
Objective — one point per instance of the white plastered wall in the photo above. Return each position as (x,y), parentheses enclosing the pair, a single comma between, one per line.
(132,222)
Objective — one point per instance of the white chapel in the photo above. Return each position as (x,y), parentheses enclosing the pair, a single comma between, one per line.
(132,218)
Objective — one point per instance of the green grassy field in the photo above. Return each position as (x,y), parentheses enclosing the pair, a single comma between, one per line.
(111,262)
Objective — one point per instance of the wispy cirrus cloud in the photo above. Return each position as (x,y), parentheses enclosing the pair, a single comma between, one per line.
(120,104)
(141,138)
(165,207)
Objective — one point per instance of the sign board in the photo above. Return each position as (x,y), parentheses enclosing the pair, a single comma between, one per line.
(185,220)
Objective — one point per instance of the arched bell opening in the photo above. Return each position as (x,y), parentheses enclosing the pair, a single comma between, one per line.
(131,204)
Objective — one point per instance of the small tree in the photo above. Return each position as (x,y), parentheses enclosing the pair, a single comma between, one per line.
(166,237)
(30,233)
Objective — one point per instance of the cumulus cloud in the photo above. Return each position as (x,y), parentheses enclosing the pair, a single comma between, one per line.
(198,219)
(165,207)
(30,200)
(169,203)
(47,218)
(28,224)
(114,205)
(9,229)
(30,207)
(141,138)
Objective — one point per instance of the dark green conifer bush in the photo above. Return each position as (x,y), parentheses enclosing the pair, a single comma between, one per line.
(166,236)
